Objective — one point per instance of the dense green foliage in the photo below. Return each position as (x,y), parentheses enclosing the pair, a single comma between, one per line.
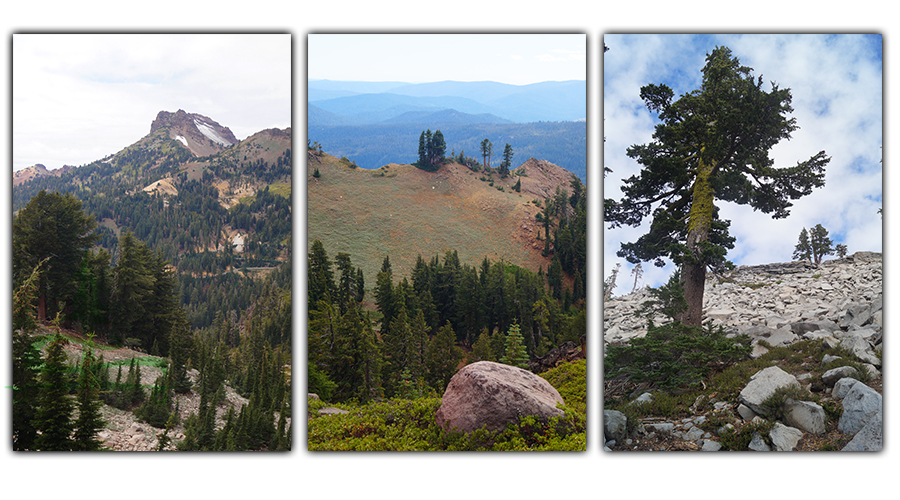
(674,355)
(51,227)
(424,319)
(53,418)
(189,229)
(409,424)
(431,150)
(815,245)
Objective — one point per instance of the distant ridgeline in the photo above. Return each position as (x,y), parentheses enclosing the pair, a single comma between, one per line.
(376,123)
(375,145)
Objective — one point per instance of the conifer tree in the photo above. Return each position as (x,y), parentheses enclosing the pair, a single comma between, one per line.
(384,295)
(26,360)
(841,250)
(803,251)
(486,151)
(54,415)
(481,349)
(516,354)
(820,243)
(712,144)
(442,357)
(89,421)
(506,162)
(51,226)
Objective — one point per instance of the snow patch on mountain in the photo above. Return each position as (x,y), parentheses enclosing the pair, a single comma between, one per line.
(211,133)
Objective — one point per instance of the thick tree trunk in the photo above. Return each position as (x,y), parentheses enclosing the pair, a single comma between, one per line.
(42,308)
(694,276)
(699,222)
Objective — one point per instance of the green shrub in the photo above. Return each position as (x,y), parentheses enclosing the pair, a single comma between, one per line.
(675,355)
(739,439)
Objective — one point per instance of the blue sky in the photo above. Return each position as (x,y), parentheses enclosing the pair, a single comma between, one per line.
(516,59)
(79,97)
(836,85)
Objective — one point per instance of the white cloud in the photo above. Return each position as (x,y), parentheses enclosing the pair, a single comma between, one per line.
(836,86)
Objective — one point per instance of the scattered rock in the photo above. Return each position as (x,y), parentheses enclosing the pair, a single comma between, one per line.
(494,395)
(804,415)
(762,385)
(614,423)
(860,404)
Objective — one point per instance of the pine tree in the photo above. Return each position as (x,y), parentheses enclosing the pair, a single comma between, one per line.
(506,162)
(54,415)
(516,355)
(820,243)
(89,420)
(133,288)
(26,360)
(481,349)
(803,251)
(486,151)
(841,250)
(712,144)
(442,357)
(384,295)
(53,227)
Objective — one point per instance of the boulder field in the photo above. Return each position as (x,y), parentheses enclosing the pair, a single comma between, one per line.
(838,302)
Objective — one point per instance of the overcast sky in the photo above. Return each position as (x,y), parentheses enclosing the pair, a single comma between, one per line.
(836,85)
(505,58)
(80,97)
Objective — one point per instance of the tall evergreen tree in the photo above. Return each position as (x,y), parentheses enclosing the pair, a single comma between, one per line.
(820,243)
(89,421)
(802,251)
(51,226)
(54,415)
(713,143)
(384,294)
(486,152)
(442,357)
(506,162)
(133,288)
(26,360)
(320,277)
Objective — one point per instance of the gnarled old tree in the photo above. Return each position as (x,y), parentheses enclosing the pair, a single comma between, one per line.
(712,144)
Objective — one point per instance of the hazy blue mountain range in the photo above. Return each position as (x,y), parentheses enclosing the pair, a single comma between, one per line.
(375,145)
(376,123)
(545,101)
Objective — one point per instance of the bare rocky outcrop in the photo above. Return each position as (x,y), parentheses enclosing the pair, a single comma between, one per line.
(492,395)
(200,134)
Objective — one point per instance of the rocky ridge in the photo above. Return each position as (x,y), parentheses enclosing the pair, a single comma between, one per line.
(838,303)
(200,134)
(771,295)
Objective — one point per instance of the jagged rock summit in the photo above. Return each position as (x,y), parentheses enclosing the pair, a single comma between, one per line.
(200,134)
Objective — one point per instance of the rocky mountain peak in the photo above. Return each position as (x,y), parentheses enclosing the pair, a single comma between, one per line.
(37,170)
(200,134)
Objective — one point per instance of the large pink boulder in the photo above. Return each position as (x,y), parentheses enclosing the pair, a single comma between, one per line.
(493,395)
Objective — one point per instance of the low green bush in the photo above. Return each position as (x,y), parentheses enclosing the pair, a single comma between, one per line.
(674,355)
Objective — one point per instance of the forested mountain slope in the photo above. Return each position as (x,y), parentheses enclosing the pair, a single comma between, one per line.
(179,246)
(208,203)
